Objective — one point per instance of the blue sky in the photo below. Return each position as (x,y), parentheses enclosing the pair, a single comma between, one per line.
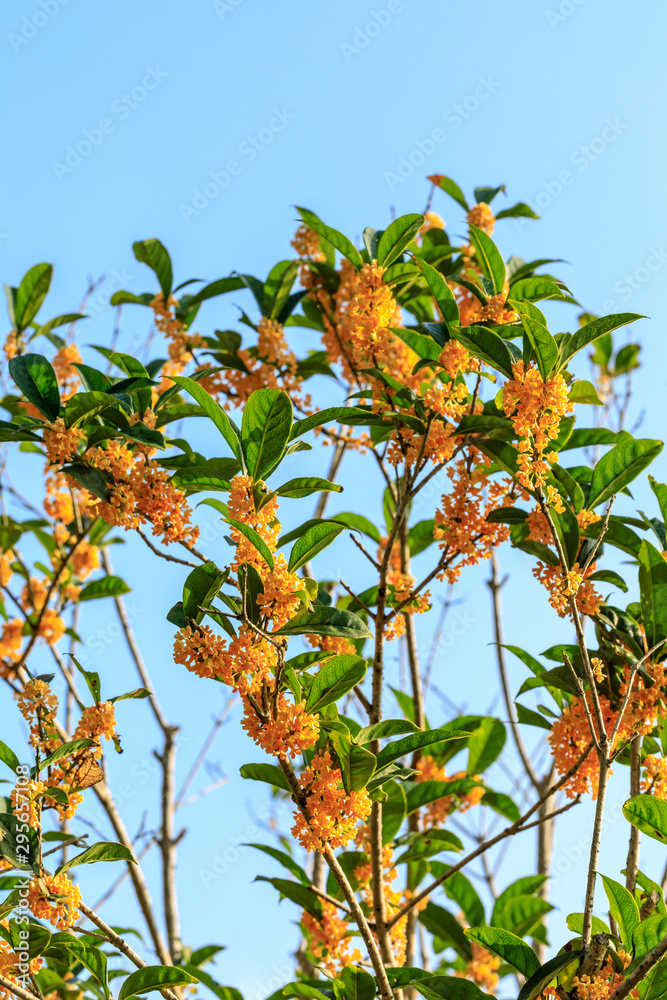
(203,124)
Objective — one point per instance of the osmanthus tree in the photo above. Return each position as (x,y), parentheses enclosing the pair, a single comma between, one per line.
(444,361)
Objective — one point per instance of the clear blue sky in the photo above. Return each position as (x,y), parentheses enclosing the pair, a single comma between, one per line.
(203,124)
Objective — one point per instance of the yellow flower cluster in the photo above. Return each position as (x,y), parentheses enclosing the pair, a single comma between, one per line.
(332,812)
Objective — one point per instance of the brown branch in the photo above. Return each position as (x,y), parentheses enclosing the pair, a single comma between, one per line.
(164,555)
(17,990)
(495,585)
(632,864)
(634,979)
(517,827)
(120,943)
(167,843)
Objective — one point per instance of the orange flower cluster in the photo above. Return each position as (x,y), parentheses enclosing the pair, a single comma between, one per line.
(360,336)
(14,344)
(480,215)
(181,342)
(461,525)
(536,408)
(602,985)
(332,812)
(13,968)
(435,813)
(140,492)
(26,799)
(482,969)
(393,898)
(571,735)
(431,221)
(272,364)
(11,640)
(402,584)
(655,776)
(97,721)
(540,530)
(38,705)
(292,731)
(63,365)
(329,940)
(61,443)
(56,899)
(563,586)
(337,644)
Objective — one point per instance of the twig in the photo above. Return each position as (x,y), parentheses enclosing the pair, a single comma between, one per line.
(120,943)
(634,979)
(164,555)
(17,990)
(516,827)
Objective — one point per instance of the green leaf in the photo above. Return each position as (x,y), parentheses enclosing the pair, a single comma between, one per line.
(107,586)
(598,328)
(415,741)
(314,540)
(344,414)
(396,237)
(213,410)
(325,621)
(269,773)
(99,852)
(451,188)
(502,804)
(8,757)
(221,992)
(575,923)
(296,893)
(653,590)
(64,750)
(36,379)
(382,730)
(461,890)
(584,392)
(265,430)
(622,907)
(448,988)
(255,540)
(485,745)
(357,983)
(507,946)
(648,933)
(619,467)
(543,344)
(488,346)
(219,287)
(285,860)
(441,291)
(31,293)
(334,679)
(155,977)
(356,764)
(332,236)
(305,485)
(546,973)
(92,958)
(155,255)
(429,843)
(444,925)
(648,814)
(359,523)
(277,287)
(489,258)
(517,211)
(200,588)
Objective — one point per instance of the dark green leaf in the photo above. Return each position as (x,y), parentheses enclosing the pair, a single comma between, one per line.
(314,540)
(36,379)
(396,237)
(265,430)
(334,679)
(154,254)
(107,586)
(154,977)
(325,621)
(269,773)
(99,852)
(619,467)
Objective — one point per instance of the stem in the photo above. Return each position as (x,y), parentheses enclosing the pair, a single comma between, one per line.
(632,865)
(18,991)
(517,827)
(595,846)
(646,964)
(120,943)
(167,843)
